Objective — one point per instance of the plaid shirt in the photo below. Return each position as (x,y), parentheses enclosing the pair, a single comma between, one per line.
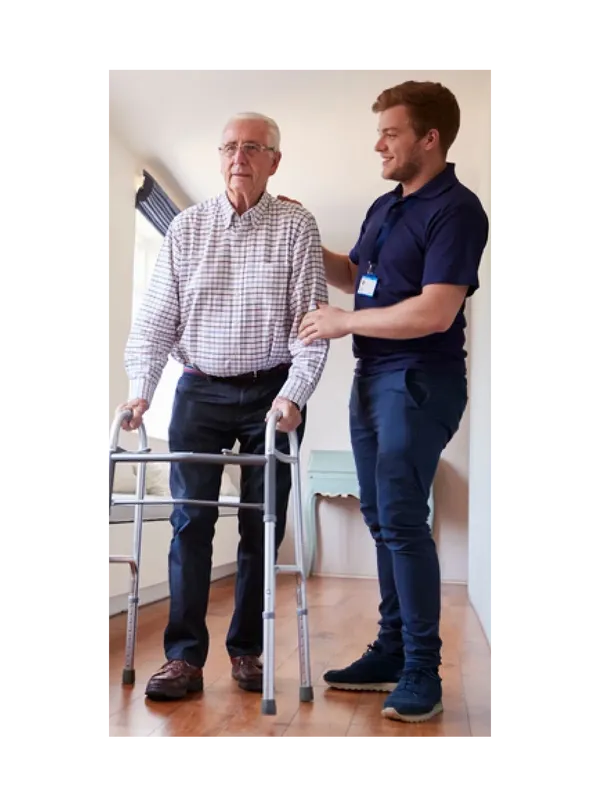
(227,296)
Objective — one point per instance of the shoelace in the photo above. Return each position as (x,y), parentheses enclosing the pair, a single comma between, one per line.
(251,661)
(411,679)
(176,667)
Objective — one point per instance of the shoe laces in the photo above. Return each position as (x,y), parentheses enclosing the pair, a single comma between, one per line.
(371,648)
(174,667)
(250,661)
(411,679)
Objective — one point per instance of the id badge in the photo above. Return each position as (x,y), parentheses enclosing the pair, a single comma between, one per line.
(367,285)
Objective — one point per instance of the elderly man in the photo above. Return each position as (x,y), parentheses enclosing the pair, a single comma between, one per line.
(233,280)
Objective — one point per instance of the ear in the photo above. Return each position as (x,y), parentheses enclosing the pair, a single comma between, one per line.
(431,139)
(275,164)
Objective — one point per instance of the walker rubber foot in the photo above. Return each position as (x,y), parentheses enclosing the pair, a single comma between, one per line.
(128,677)
(268,707)
(306,694)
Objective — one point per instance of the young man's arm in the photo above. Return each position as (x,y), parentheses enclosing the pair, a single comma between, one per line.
(340,271)
(452,257)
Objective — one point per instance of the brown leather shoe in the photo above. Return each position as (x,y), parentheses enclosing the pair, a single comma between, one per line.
(248,672)
(174,680)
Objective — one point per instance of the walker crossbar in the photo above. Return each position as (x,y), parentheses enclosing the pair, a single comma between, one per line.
(269,461)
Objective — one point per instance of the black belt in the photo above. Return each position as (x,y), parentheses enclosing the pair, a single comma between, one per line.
(245,378)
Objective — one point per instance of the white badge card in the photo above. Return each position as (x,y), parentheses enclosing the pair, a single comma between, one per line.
(367,285)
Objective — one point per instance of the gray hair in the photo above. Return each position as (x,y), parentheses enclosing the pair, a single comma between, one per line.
(274,134)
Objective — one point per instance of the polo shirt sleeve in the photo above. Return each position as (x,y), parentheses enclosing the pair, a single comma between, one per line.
(354,254)
(455,244)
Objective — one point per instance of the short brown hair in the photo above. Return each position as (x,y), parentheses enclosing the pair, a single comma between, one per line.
(430,105)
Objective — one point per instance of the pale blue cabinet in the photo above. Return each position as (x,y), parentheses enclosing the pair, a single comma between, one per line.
(331,473)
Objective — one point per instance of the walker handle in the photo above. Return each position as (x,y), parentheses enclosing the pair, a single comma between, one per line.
(120,417)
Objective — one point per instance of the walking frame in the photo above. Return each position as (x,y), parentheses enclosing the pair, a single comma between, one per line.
(269,461)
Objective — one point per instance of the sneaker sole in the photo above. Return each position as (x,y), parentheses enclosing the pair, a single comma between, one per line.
(363,687)
(391,713)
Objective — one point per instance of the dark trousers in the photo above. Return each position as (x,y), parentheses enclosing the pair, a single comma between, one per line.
(400,422)
(209,416)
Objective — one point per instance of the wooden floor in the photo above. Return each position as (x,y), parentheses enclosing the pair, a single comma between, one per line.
(342,621)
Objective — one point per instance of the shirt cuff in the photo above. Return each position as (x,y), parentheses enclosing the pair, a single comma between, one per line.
(142,388)
(297,391)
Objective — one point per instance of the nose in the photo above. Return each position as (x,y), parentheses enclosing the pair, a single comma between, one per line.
(380,145)
(240,157)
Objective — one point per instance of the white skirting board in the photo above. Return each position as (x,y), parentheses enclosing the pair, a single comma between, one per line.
(154,573)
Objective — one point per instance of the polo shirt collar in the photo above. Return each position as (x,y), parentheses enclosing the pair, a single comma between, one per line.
(436,186)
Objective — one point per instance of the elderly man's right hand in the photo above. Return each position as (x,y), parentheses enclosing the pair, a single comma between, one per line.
(138,407)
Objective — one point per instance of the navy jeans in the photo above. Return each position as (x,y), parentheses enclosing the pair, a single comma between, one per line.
(400,421)
(208,416)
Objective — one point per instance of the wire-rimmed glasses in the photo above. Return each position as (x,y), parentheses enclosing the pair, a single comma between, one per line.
(250,149)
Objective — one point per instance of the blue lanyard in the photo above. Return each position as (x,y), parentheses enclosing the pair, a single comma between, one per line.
(393,215)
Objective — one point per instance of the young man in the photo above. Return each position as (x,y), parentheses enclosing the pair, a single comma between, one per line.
(412,268)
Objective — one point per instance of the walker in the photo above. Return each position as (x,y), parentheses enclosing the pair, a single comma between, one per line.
(269,460)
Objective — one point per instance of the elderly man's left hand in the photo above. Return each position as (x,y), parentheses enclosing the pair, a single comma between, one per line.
(291,415)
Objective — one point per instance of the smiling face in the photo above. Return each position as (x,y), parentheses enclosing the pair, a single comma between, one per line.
(403,153)
(247,173)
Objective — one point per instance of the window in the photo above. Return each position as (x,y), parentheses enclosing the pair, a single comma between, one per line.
(148,242)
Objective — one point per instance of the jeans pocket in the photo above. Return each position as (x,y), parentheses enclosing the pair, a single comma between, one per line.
(417,388)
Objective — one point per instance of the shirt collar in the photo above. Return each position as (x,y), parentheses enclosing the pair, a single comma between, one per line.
(254,214)
(436,186)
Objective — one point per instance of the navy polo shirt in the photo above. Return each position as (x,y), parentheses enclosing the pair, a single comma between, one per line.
(438,236)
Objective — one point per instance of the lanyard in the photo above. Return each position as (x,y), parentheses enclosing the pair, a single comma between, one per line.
(392,216)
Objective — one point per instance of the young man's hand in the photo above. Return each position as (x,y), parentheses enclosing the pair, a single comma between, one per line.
(289,200)
(327,322)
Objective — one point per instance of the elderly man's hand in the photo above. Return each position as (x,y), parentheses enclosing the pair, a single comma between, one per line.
(138,407)
(291,415)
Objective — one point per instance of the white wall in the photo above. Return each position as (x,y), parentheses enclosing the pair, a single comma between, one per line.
(122,170)
(480,428)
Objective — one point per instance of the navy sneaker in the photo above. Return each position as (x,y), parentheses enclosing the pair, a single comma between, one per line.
(373,672)
(417,697)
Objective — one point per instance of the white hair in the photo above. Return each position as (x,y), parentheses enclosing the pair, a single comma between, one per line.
(274,134)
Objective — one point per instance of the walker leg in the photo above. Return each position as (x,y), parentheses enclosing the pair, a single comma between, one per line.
(310,534)
(132,611)
(134,600)
(306,689)
(268,705)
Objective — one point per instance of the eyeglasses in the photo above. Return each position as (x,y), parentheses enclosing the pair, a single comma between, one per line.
(250,149)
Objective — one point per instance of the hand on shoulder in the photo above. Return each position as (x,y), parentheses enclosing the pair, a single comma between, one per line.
(288,199)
